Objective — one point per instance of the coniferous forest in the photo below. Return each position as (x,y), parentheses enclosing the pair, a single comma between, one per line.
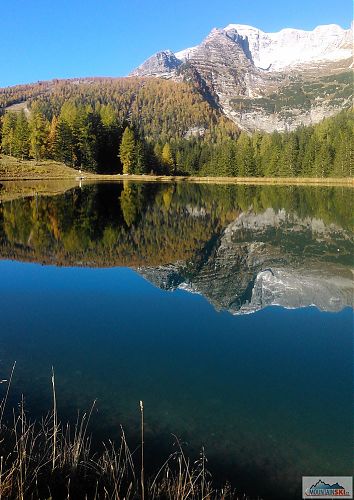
(135,126)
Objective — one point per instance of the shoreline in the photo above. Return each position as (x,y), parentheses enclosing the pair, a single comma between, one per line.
(13,170)
(308,181)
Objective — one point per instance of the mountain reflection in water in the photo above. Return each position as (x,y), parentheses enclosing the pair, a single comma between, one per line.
(241,247)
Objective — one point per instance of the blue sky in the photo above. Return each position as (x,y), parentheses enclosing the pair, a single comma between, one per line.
(43,39)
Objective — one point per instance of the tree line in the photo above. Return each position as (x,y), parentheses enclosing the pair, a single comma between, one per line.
(81,137)
(322,150)
(134,126)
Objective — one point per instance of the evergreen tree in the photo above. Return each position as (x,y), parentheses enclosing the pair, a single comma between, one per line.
(167,159)
(245,158)
(288,157)
(323,161)
(52,138)
(21,137)
(265,152)
(224,160)
(127,151)
(309,157)
(303,136)
(256,145)
(39,128)
(110,138)
(344,155)
(139,166)
(274,157)
(8,133)
(65,148)
(88,134)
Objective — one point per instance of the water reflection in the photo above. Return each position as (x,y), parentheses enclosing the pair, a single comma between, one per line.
(241,247)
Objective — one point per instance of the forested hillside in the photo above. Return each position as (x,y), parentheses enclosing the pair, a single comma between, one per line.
(142,125)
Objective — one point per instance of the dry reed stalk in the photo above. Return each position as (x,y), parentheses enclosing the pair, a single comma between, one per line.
(55,421)
(142,451)
(4,401)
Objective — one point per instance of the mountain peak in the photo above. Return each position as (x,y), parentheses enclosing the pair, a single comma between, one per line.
(266,81)
(240,27)
(162,63)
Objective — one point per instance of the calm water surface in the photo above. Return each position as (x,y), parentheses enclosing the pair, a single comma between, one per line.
(226,309)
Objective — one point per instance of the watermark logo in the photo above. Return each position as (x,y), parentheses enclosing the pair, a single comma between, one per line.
(327,487)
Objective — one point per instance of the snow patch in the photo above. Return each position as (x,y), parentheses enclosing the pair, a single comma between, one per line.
(292,47)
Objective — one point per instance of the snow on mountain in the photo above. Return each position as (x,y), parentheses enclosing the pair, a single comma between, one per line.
(277,51)
(184,55)
(290,47)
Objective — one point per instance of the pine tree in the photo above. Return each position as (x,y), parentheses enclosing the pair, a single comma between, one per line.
(256,145)
(273,160)
(21,137)
(344,154)
(139,166)
(224,160)
(39,129)
(288,157)
(127,150)
(88,135)
(108,116)
(65,149)
(245,158)
(323,161)
(167,159)
(52,138)
(308,158)
(110,137)
(8,133)
(265,151)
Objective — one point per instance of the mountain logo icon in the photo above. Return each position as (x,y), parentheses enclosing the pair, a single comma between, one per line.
(327,487)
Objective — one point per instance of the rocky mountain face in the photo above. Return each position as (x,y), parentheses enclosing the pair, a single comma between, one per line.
(266,81)
(267,259)
(163,64)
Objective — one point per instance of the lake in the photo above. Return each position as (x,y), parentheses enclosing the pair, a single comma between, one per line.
(227,309)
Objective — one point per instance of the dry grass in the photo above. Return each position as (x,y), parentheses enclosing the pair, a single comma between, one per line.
(46,460)
(13,169)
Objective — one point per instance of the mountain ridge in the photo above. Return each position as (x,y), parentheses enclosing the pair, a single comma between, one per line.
(340,40)
(266,81)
